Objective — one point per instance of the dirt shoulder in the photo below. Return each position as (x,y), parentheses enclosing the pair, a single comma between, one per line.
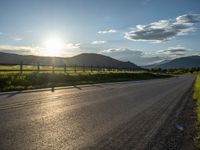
(179,130)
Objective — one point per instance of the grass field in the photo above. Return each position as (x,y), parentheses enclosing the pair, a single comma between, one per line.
(71,68)
(30,67)
(32,80)
(197,98)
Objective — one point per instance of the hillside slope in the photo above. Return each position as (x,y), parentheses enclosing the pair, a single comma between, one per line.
(183,62)
(86,59)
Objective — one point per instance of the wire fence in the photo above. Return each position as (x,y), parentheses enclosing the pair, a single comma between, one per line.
(60,68)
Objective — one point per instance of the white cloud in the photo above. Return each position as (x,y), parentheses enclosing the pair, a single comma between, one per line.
(188,18)
(107,31)
(68,50)
(148,57)
(136,56)
(24,50)
(164,30)
(174,52)
(17,39)
(72,45)
(99,42)
(122,51)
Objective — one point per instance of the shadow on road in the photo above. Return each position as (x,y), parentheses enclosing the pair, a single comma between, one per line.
(13,94)
(75,86)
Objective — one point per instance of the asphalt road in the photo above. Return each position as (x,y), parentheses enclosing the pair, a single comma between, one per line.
(103,116)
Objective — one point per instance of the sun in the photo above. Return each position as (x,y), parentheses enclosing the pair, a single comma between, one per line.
(53,46)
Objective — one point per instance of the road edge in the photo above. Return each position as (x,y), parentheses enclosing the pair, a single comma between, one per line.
(179,130)
(73,86)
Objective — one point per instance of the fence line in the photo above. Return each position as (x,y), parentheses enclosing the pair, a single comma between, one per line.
(53,68)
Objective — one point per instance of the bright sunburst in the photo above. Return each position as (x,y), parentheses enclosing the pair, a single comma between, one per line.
(53,46)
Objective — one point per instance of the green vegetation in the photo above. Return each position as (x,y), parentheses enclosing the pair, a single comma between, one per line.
(197,98)
(60,68)
(32,80)
(27,68)
(180,71)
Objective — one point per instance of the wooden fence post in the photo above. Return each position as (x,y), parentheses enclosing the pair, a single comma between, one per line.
(91,67)
(75,68)
(53,68)
(38,66)
(109,68)
(21,66)
(83,68)
(65,68)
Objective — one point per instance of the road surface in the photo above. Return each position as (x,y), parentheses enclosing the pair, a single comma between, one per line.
(122,115)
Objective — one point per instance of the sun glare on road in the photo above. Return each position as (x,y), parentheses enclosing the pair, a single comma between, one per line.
(53,46)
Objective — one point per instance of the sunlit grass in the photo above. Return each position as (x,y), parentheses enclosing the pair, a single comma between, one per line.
(197,98)
(31,80)
(27,67)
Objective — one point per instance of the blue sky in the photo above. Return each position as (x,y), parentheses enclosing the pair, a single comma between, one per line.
(141,31)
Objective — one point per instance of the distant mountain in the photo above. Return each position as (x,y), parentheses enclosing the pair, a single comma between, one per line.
(86,59)
(156,64)
(183,62)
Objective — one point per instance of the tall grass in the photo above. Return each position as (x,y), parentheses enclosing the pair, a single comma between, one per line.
(197,98)
(18,81)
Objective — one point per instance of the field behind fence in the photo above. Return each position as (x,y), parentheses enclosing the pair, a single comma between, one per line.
(59,68)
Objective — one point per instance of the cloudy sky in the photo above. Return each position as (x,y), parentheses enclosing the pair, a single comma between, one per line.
(141,31)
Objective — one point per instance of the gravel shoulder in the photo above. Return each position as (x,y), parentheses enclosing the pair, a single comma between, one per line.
(179,130)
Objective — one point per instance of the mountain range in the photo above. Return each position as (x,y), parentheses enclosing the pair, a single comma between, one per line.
(183,62)
(86,59)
